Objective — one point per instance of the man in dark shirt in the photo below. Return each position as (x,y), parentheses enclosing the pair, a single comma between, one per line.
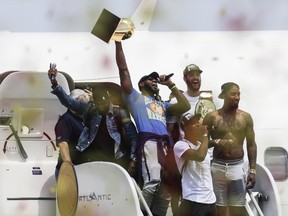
(67,131)
(103,137)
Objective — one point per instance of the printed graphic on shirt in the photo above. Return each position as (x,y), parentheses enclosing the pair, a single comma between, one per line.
(155,110)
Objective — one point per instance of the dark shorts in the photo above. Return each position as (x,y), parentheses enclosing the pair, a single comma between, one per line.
(189,208)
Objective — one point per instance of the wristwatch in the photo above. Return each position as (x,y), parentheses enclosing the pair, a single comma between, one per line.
(252,171)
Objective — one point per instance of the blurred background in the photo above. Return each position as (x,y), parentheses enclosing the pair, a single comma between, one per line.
(230,40)
(165,15)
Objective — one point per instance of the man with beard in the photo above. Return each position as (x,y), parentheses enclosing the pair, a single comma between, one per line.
(149,113)
(230,127)
(192,78)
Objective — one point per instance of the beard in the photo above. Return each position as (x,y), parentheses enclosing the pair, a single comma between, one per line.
(235,105)
(194,86)
(151,89)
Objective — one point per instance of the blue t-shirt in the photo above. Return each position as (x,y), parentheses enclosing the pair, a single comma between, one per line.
(149,114)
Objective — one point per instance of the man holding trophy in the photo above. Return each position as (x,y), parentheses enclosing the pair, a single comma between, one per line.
(148,111)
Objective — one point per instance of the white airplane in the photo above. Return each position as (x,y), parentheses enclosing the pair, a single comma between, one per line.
(256,60)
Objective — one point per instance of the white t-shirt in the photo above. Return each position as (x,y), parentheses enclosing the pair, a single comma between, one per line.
(193,101)
(196,176)
(173,119)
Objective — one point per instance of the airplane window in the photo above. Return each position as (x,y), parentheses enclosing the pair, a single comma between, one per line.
(275,159)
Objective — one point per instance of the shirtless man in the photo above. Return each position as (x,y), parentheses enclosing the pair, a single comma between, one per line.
(230,127)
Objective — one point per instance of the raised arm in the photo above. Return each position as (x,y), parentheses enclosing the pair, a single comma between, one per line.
(124,74)
(200,153)
(65,99)
(182,104)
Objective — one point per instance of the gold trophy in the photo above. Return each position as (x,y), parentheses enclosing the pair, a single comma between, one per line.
(111,27)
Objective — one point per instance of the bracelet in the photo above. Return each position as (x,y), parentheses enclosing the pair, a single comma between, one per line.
(126,120)
(217,141)
(252,171)
(174,86)
(205,135)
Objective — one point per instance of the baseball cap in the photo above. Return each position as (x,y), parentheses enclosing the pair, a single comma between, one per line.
(154,75)
(189,118)
(225,88)
(190,68)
